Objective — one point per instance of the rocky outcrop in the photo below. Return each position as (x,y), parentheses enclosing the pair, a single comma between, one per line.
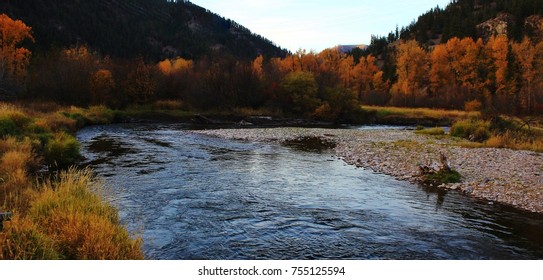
(533,26)
(496,26)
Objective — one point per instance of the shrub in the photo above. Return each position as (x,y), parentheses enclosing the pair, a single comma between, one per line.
(12,119)
(473,106)
(443,177)
(62,151)
(99,115)
(8,127)
(471,129)
(77,115)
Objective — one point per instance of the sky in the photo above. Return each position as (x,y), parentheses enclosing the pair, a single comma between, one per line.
(318,24)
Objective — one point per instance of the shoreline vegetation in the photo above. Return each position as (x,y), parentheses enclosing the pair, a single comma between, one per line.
(58,211)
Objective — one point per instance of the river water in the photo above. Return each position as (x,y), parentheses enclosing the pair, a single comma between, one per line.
(191,196)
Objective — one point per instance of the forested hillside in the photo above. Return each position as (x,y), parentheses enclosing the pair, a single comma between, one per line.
(154,29)
(468,18)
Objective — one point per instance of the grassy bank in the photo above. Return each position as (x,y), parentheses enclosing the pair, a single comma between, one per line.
(500,132)
(493,132)
(60,216)
(416,116)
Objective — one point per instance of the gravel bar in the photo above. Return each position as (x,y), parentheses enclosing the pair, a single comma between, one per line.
(505,176)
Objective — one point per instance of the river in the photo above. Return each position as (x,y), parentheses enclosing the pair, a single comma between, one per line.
(191,196)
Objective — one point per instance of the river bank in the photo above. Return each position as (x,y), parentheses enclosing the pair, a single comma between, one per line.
(504,176)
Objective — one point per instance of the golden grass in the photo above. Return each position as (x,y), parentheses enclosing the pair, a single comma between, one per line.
(508,140)
(83,226)
(419,112)
(63,218)
(436,131)
(22,239)
(55,122)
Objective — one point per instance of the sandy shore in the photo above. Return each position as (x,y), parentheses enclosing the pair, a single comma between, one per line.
(498,175)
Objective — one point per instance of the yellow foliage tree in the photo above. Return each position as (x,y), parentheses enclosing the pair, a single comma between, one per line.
(170,67)
(257,67)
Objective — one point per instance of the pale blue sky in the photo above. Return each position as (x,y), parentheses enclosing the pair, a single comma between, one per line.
(316,25)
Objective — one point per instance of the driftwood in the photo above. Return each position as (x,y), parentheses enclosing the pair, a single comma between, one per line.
(443,165)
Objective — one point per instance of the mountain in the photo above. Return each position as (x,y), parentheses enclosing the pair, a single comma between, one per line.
(349,48)
(461,18)
(469,18)
(153,29)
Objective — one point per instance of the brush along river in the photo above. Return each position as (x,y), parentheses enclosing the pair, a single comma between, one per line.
(241,194)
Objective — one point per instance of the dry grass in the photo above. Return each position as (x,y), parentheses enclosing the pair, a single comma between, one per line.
(169,105)
(55,121)
(83,225)
(436,131)
(98,115)
(508,140)
(419,112)
(248,112)
(17,158)
(22,239)
(63,218)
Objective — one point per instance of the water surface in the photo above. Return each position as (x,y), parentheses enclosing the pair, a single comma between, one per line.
(197,197)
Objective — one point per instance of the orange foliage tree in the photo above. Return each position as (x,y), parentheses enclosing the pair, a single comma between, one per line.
(412,68)
(14,59)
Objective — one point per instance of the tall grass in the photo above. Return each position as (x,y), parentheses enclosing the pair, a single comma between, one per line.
(63,218)
(83,226)
(500,132)
(414,113)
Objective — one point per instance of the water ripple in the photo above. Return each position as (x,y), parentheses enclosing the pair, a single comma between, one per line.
(195,197)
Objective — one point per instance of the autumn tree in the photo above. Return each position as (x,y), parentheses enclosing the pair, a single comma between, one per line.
(498,47)
(301,88)
(101,87)
(454,72)
(365,75)
(63,75)
(14,58)
(258,67)
(174,66)
(412,69)
(526,56)
(140,85)
(177,77)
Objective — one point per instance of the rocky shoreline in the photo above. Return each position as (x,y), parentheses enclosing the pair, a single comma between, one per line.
(504,176)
